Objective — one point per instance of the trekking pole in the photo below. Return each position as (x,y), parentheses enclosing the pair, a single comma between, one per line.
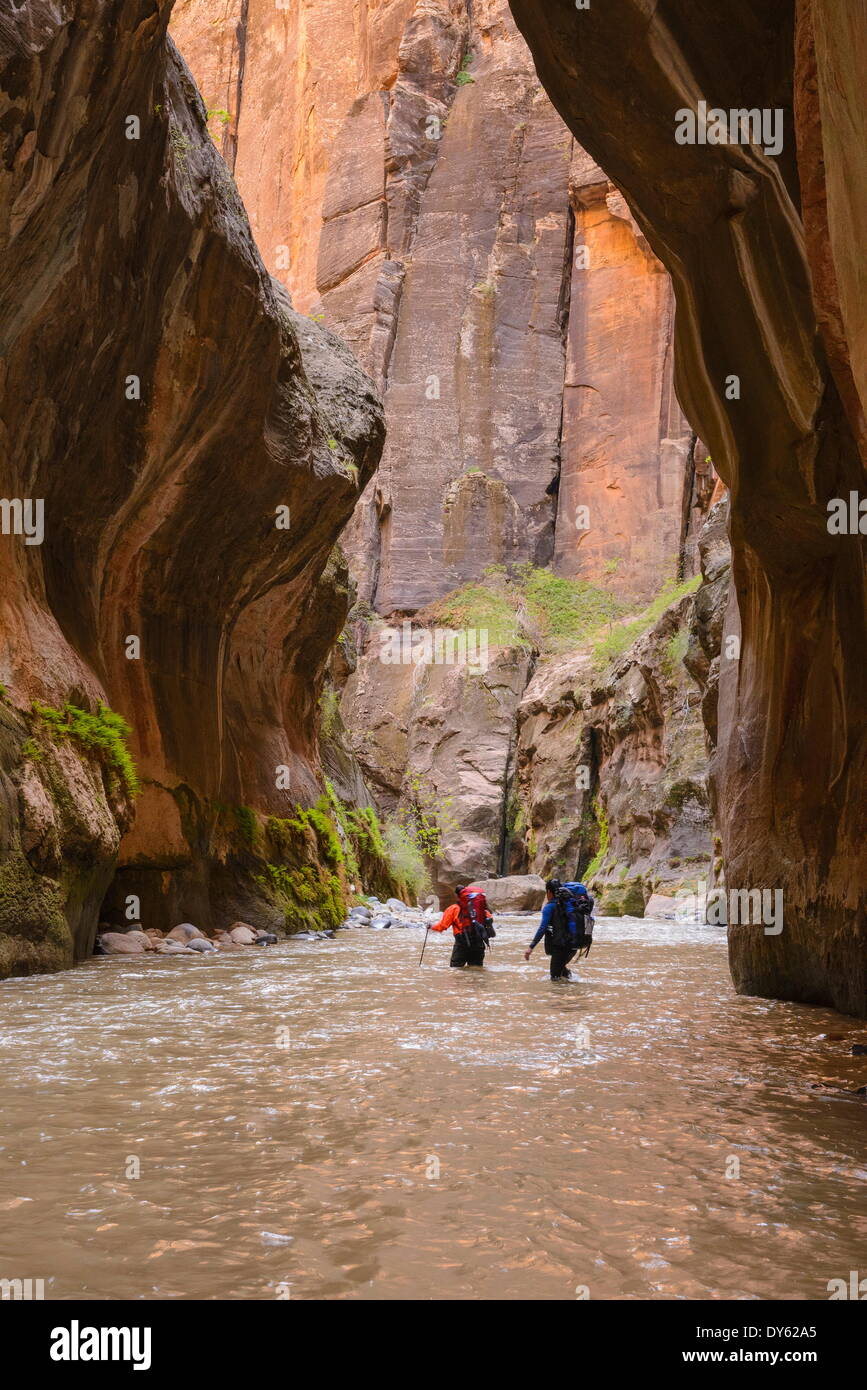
(423,944)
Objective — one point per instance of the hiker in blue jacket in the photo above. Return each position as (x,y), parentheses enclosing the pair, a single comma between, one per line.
(561,926)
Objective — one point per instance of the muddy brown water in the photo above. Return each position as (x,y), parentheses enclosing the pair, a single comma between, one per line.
(427,1133)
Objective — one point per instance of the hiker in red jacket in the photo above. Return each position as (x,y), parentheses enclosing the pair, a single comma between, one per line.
(470,921)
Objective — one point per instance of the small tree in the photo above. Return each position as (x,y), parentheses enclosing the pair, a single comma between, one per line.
(426,817)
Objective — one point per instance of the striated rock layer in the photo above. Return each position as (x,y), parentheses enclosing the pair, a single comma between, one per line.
(161,397)
(784,313)
(409,181)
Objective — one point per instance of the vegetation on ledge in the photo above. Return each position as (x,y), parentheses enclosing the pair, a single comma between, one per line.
(103,735)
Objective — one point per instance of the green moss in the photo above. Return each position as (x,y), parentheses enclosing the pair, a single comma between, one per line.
(103,735)
(31,907)
(686,790)
(318,816)
(604,839)
(248,825)
(633,898)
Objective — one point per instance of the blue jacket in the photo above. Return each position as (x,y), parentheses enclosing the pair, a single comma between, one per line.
(547,914)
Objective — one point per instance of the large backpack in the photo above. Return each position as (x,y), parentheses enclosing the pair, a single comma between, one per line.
(475,918)
(572,919)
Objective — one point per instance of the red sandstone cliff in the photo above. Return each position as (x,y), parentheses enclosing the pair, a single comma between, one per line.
(408,179)
(781,307)
(164,401)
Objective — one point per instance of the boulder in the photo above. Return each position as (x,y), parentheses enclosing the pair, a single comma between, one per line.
(121,943)
(201,944)
(266,938)
(662,907)
(242,935)
(184,932)
(172,948)
(395,905)
(147,942)
(517,893)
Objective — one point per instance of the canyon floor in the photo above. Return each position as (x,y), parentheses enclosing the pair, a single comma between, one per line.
(325,1119)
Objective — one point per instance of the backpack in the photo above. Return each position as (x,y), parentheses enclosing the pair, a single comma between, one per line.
(476,921)
(572,920)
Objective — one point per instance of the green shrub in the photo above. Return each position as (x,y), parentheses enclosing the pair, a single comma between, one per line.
(567,610)
(616,642)
(463,76)
(406,860)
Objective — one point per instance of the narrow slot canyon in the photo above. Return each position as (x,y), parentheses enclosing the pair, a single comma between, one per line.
(429,460)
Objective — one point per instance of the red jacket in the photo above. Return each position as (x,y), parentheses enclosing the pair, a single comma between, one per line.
(450,918)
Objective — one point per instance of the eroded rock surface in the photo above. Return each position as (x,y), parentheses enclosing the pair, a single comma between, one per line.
(164,400)
(612,771)
(728,222)
(441,737)
(418,190)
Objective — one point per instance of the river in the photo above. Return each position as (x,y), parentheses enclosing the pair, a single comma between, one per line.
(328,1120)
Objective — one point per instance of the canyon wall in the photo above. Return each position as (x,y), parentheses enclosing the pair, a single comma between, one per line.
(197,446)
(413,187)
(409,181)
(778,306)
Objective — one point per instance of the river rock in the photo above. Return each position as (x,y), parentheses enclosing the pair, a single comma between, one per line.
(201,944)
(184,932)
(395,905)
(266,938)
(517,893)
(242,935)
(172,948)
(661,906)
(147,943)
(121,943)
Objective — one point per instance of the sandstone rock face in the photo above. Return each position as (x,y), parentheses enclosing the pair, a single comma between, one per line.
(515,893)
(626,446)
(444,736)
(163,399)
(726,219)
(612,771)
(413,185)
(408,180)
